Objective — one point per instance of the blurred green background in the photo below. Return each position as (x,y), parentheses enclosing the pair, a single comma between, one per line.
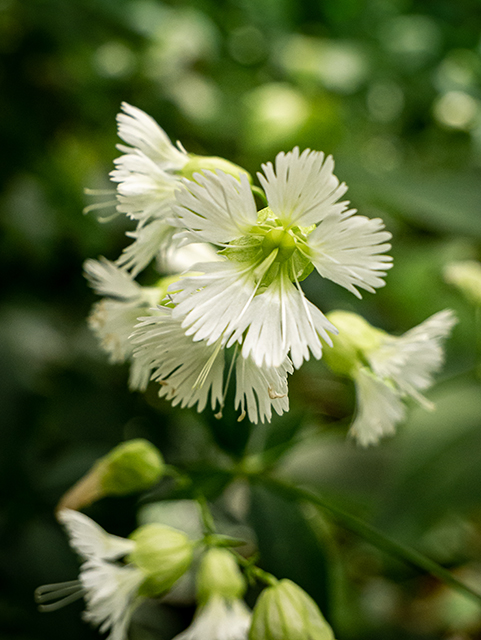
(392,89)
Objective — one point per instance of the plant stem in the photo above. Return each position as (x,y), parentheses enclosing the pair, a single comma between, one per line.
(370,533)
(206,515)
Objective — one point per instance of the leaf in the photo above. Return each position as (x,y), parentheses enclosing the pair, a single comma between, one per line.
(288,546)
(444,201)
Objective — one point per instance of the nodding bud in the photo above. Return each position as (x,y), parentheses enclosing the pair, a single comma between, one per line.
(163,554)
(133,466)
(219,574)
(284,610)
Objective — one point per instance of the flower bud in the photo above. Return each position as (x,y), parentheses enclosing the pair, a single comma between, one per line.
(465,276)
(132,466)
(196,164)
(284,611)
(163,554)
(219,574)
(356,338)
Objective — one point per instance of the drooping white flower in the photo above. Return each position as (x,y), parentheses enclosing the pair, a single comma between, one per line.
(110,589)
(90,540)
(220,586)
(386,369)
(219,619)
(114,317)
(147,174)
(190,373)
(156,557)
(254,296)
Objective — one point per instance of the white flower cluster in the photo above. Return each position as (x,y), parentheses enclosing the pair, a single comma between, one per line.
(117,574)
(239,308)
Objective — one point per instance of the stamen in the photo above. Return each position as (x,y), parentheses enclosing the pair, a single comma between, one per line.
(67,592)
(98,192)
(273,395)
(218,415)
(242,416)
(229,374)
(202,377)
(101,205)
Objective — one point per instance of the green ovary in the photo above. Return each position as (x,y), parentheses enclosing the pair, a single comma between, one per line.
(282,241)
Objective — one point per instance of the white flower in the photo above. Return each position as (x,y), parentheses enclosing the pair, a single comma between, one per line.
(114,317)
(148,174)
(386,369)
(254,296)
(157,556)
(110,590)
(189,372)
(219,619)
(411,360)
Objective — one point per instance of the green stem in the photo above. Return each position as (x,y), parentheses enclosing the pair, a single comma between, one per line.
(255,571)
(206,515)
(477,328)
(373,535)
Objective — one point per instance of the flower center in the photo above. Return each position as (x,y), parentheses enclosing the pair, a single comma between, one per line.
(282,241)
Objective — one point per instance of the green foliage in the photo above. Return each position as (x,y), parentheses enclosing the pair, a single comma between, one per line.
(392,90)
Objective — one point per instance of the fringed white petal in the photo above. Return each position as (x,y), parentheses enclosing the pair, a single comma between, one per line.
(279,322)
(107,279)
(150,241)
(142,132)
(145,191)
(303,189)
(216,207)
(113,321)
(211,304)
(412,359)
(219,619)
(111,595)
(261,389)
(379,408)
(346,248)
(90,540)
(187,371)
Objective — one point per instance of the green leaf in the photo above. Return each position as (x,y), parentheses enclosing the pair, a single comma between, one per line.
(442,201)
(288,545)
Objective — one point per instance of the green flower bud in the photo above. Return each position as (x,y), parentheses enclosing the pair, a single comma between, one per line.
(284,611)
(465,276)
(356,338)
(219,574)
(132,466)
(197,164)
(163,554)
